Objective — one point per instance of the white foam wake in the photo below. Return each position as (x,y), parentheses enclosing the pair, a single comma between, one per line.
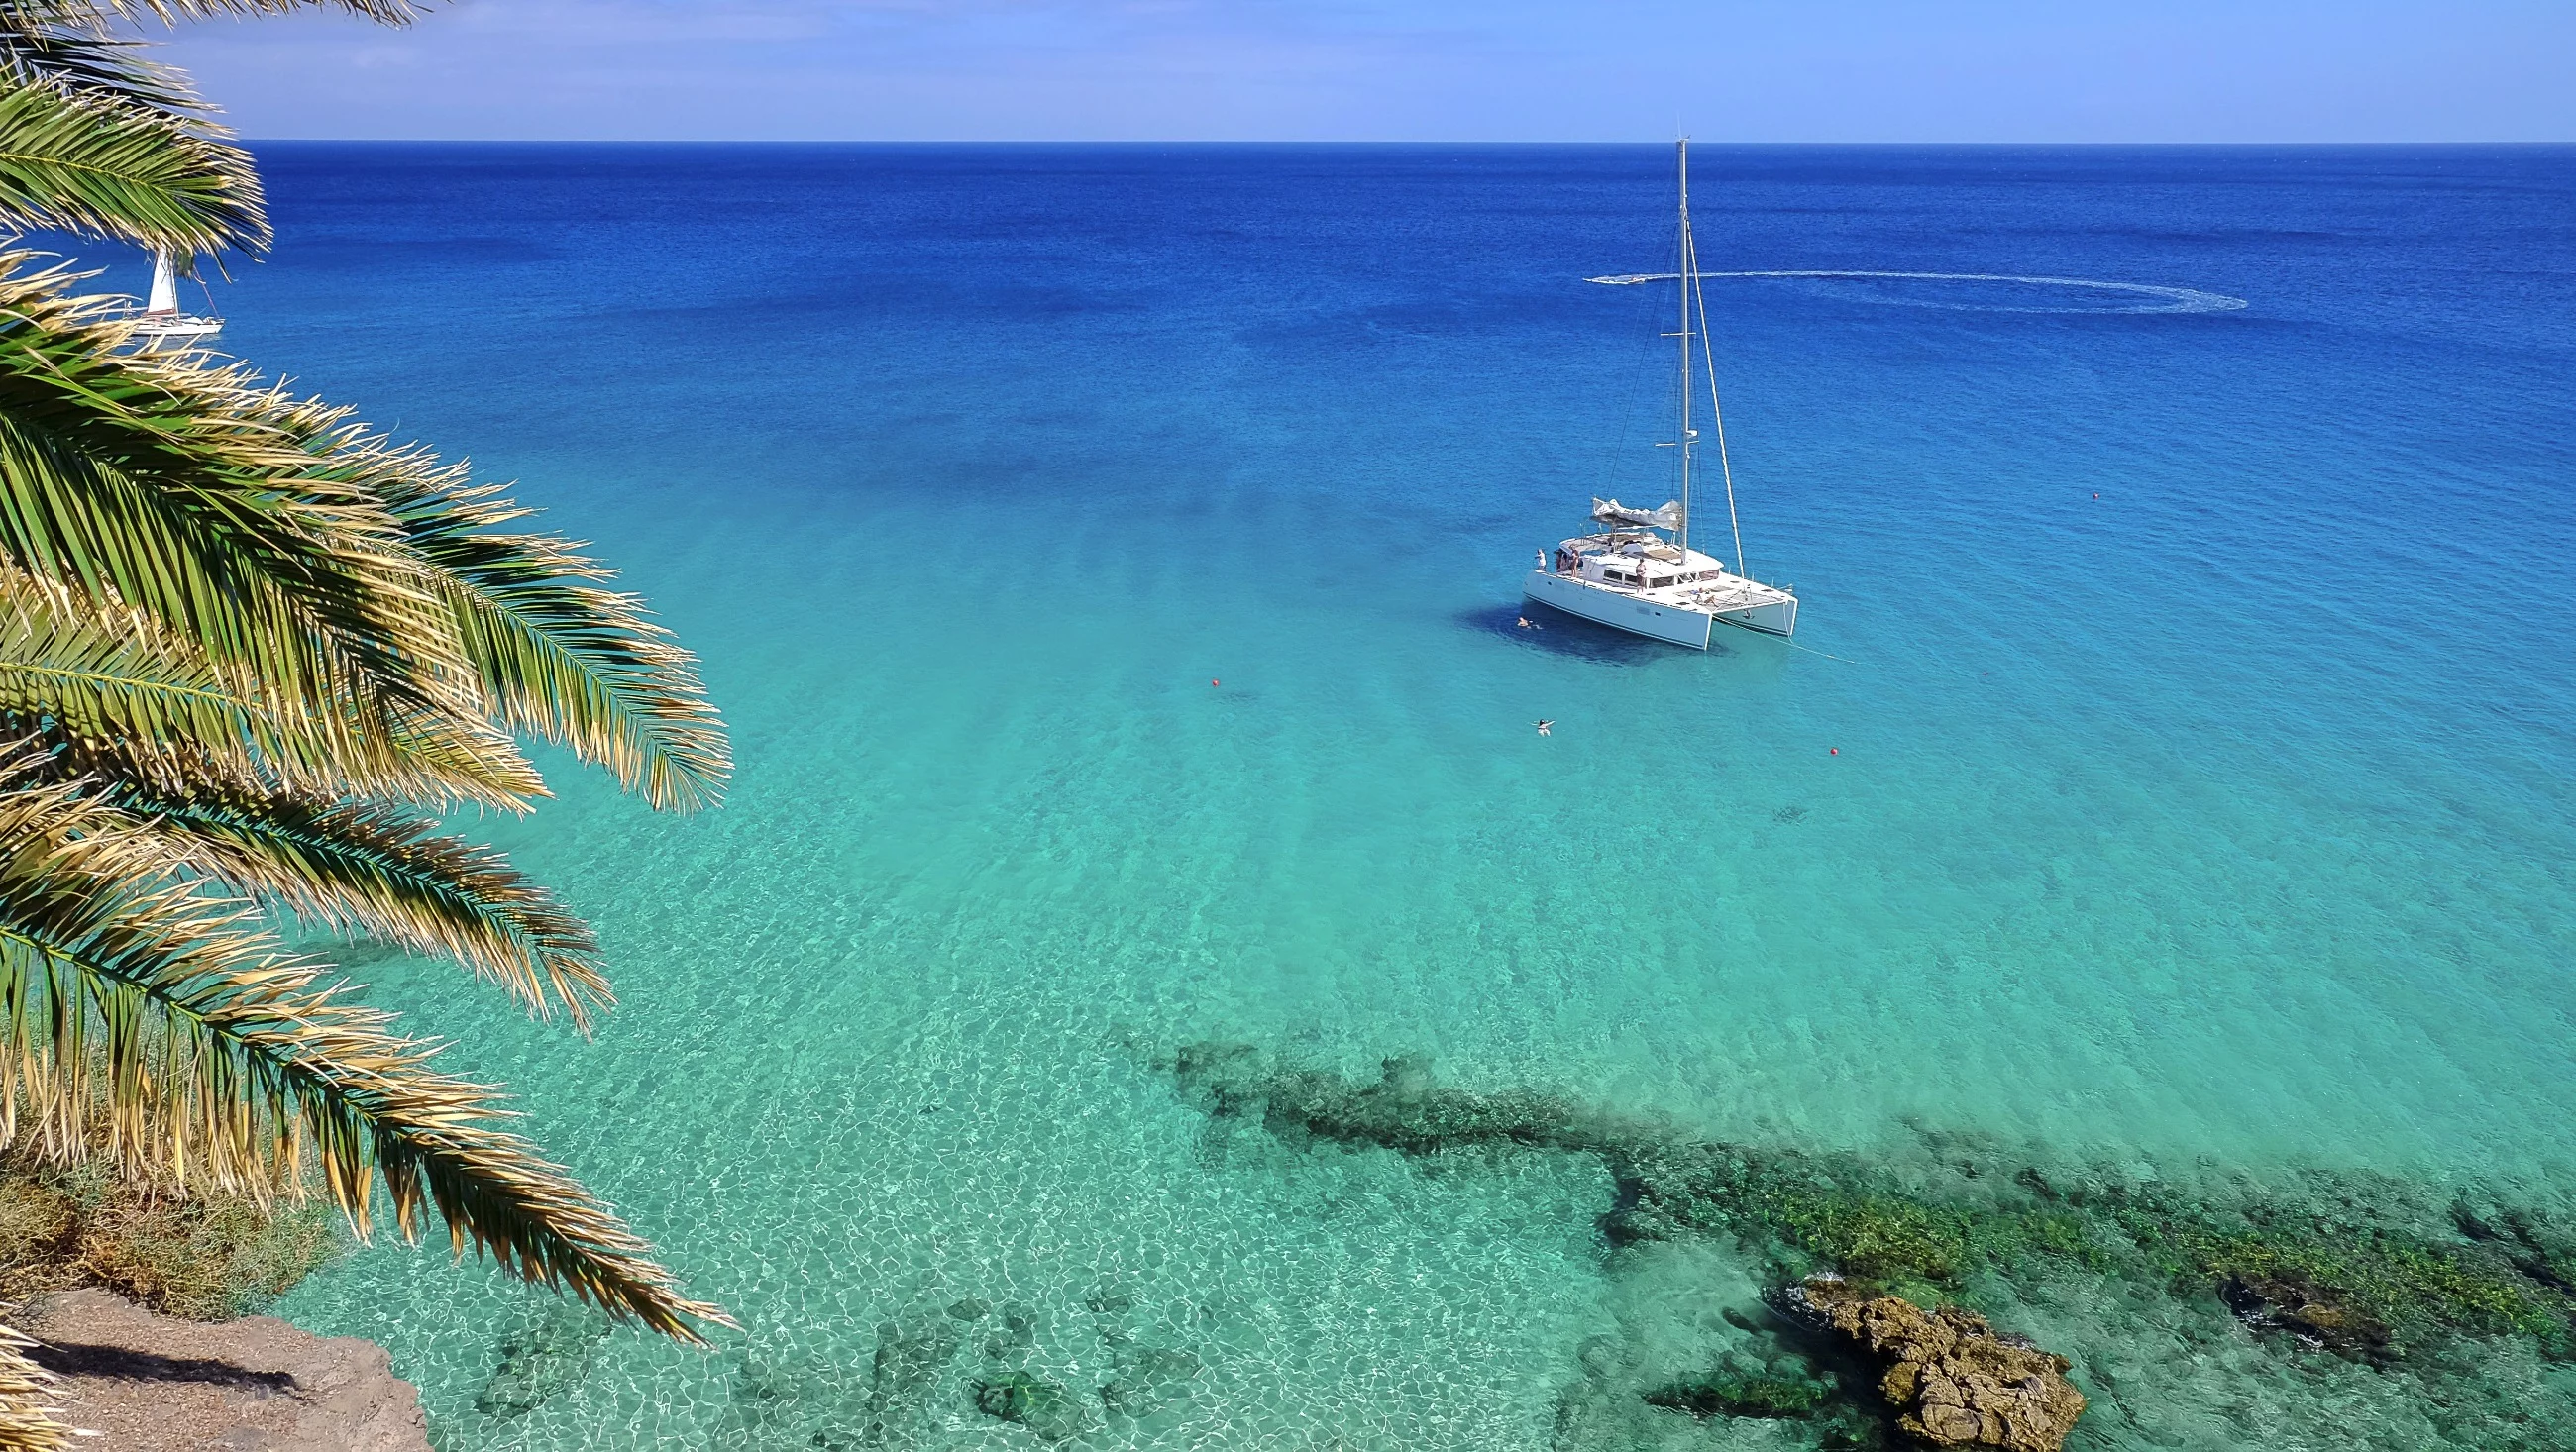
(2164,299)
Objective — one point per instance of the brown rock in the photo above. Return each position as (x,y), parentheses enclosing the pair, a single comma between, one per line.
(1953,1381)
(148,1383)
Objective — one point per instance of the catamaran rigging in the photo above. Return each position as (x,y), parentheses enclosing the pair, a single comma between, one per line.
(1641,574)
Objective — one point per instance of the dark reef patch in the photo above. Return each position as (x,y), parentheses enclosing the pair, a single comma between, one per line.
(2361,1266)
(548,1353)
(1049,1410)
(1743,1394)
(2426,1287)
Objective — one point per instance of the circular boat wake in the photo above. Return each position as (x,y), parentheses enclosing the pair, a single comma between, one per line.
(2114,297)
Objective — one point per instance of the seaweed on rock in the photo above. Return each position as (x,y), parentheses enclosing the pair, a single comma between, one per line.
(1045,1408)
(1732,1394)
(2367,1269)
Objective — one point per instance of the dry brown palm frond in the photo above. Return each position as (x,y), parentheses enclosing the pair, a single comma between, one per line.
(27,1418)
(222,1056)
(383,12)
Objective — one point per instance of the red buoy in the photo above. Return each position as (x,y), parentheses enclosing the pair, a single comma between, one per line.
(1833,751)
(1211,685)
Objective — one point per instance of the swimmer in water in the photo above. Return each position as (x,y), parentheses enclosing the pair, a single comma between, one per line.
(1523,622)
(1543,725)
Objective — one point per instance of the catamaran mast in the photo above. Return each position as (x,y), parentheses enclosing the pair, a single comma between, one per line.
(1681,535)
(1695,308)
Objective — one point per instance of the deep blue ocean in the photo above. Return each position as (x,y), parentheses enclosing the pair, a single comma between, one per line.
(1108,561)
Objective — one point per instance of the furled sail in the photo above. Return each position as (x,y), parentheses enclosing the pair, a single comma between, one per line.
(1611,511)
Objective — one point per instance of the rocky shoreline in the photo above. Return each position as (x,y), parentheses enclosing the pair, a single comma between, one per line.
(148,1383)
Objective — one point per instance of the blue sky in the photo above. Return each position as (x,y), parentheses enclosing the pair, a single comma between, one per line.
(1724,70)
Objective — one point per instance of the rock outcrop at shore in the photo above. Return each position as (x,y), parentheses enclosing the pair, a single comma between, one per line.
(1951,1378)
(150,1383)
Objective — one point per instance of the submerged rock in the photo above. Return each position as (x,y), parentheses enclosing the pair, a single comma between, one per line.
(1951,1378)
(911,1358)
(1743,1396)
(1018,1334)
(2345,1264)
(1151,1379)
(1043,1407)
(545,1356)
(2318,1315)
(1403,1110)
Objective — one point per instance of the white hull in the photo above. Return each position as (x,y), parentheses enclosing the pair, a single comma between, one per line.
(173,333)
(1640,574)
(1622,610)
(1619,610)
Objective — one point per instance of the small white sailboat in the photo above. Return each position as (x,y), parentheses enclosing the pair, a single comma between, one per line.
(161,327)
(1640,574)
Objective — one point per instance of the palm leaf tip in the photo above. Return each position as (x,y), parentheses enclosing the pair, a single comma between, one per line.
(27,1422)
(27,1419)
(378,870)
(560,654)
(222,1056)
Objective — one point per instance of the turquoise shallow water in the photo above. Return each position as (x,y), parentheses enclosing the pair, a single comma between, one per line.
(2217,825)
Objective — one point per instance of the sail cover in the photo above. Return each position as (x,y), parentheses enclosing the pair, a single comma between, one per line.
(1611,511)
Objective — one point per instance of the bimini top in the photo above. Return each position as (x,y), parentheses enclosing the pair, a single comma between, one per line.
(1611,511)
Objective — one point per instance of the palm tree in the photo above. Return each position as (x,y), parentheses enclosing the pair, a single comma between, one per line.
(250,650)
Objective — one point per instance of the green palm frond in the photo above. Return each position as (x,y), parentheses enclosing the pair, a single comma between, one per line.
(70,41)
(232,513)
(174,488)
(80,159)
(27,1423)
(220,1056)
(98,679)
(361,867)
(560,656)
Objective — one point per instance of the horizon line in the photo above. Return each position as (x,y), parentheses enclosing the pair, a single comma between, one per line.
(1202,141)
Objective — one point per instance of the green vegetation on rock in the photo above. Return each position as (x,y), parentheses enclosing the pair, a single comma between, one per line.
(1043,1407)
(205,1256)
(2364,1268)
(1743,1396)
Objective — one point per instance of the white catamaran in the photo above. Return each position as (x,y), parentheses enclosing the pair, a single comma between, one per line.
(161,327)
(1640,574)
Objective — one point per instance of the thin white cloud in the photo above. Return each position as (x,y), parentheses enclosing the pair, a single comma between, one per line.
(1397,69)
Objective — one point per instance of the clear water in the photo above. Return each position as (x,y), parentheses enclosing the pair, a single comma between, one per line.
(2170,773)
